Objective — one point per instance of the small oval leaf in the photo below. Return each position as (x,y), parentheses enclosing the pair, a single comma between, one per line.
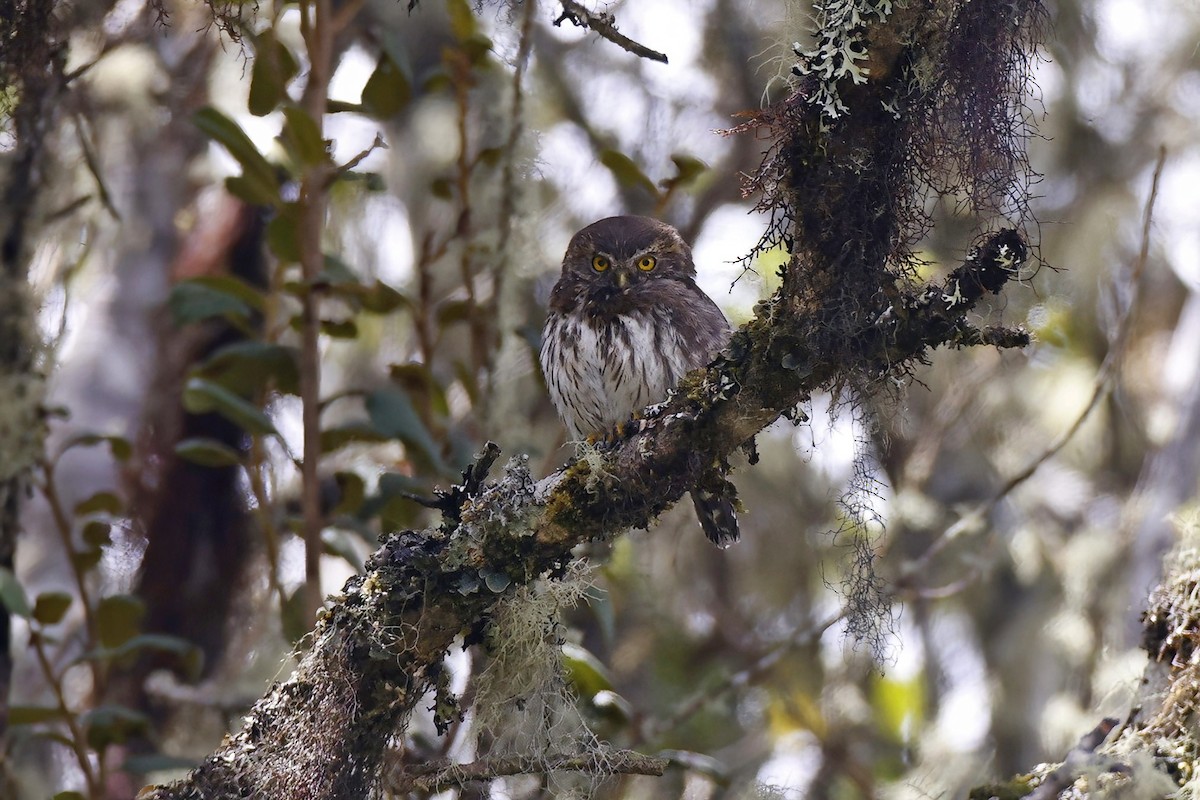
(119,619)
(51,607)
(257,171)
(626,172)
(208,452)
(12,594)
(99,503)
(274,66)
(32,715)
(201,396)
(586,672)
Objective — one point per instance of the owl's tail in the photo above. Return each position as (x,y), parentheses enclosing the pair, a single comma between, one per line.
(717,517)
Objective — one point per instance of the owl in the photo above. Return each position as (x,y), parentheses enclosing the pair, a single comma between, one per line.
(626,321)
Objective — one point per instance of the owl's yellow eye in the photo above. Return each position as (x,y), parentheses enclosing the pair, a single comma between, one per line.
(646,263)
(600,263)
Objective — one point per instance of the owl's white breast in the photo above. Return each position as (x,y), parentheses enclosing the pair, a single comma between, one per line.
(599,373)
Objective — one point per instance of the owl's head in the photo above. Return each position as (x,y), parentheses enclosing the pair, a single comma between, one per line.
(619,254)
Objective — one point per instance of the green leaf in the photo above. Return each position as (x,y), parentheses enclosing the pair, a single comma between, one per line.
(274,66)
(119,446)
(119,619)
(585,672)
(282,235)
(99,503)
(51,607)
(85,560)
(187,655)
(302,137)
(293,617)
(336,272)
(393,415)
(382,299)
(97,533)
(32,715)
(105,725)
(417,380)
(193,301)
(396,484)
(339,328)
(351,491)
(341,544)
(342,435)
(68,794)
(491,155)
(252,190)
(462,21)
(627,173)
(258,176)
(389,89)
(453,311)
(207,452)
(201,396)
(687,170)
(12,594)
(249,367)
(613,707)
(477,47)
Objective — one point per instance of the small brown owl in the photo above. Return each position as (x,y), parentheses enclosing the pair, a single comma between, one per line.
(626,322)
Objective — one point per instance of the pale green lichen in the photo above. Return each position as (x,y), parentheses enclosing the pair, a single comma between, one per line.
(840,33)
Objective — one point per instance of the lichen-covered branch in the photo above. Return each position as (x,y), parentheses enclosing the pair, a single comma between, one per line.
(378,648)
(847,313)
(604,24)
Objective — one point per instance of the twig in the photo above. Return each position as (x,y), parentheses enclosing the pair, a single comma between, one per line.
(605,25)
(318,32)
(736,680)
(93,164)
(1102,386)
(438,776)
(378,144)
(78,739)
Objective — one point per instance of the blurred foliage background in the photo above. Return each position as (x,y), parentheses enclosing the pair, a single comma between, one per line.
(159,581)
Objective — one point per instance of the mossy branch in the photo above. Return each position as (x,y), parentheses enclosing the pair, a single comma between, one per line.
(843,315)
(322,733)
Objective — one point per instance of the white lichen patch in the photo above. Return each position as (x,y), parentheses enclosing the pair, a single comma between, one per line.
(840,35)
(523,704)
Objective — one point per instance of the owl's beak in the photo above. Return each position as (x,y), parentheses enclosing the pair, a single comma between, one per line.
(622,279)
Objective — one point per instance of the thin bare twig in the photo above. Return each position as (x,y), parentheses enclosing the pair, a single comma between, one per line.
(439,775)
(316,26)
(605,25)
(78,739)
(736,680)
(1103,386)
(378,144)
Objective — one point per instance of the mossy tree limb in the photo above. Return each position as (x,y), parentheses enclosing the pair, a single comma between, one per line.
(847,313)
(31,74)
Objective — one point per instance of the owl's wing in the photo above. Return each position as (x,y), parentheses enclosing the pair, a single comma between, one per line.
(701,323)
